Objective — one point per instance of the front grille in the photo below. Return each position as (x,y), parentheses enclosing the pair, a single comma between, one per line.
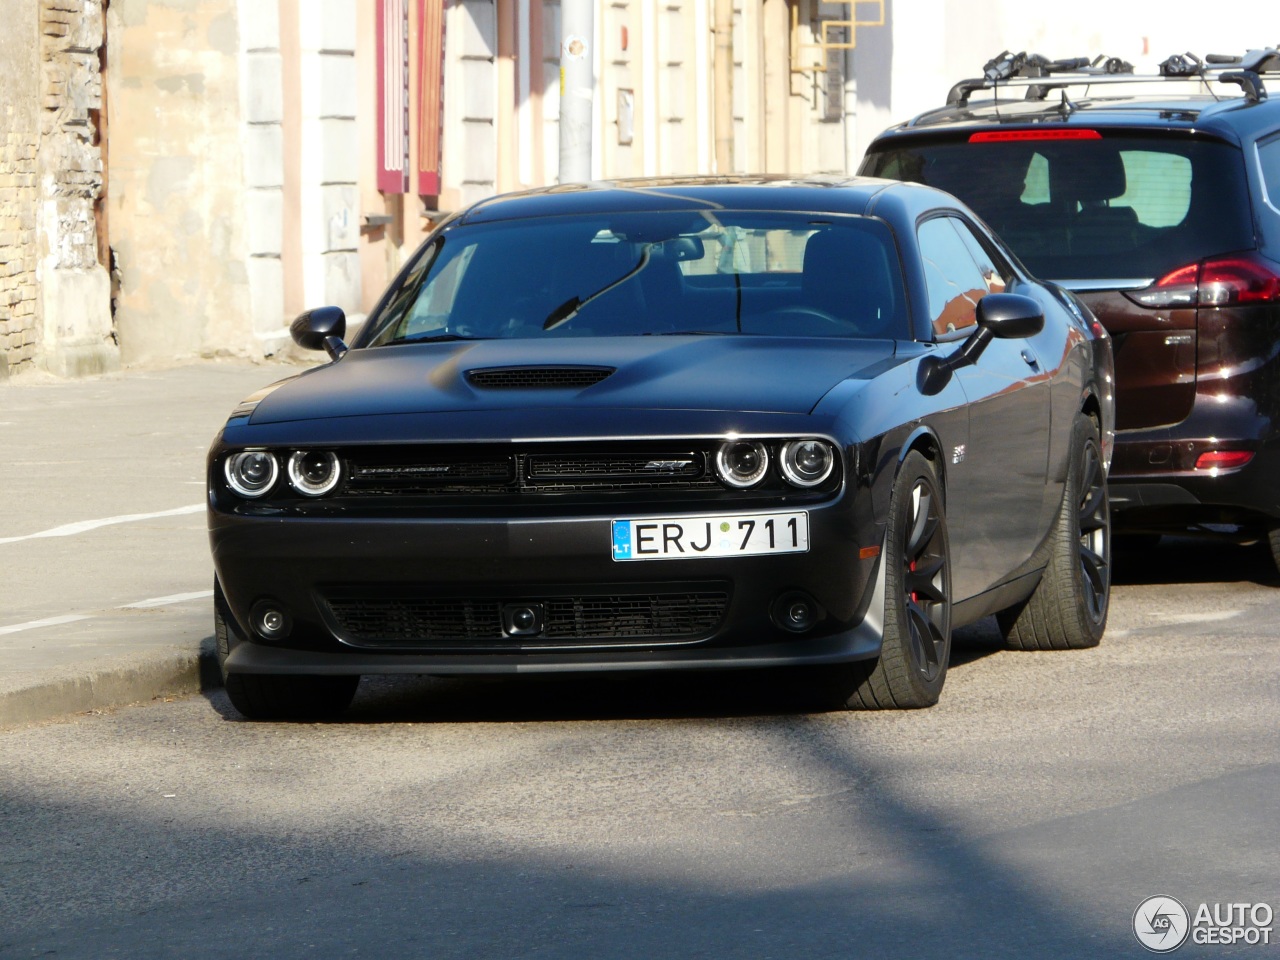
(495,475)
(410,621)
(374,473)
(537,378)
(615,466)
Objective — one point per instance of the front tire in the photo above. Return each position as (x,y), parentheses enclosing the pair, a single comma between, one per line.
(917,599)
(1068,610)
(277,697)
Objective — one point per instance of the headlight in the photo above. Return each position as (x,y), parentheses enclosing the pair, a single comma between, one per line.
(314,472)
(806,463)
(251,473)
(742,463)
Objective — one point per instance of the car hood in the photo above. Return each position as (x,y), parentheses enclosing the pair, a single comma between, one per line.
(766,374)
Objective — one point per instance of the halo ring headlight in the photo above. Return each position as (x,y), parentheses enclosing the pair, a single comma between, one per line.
(742,463)
(251,473)
(314,473)
(806,463)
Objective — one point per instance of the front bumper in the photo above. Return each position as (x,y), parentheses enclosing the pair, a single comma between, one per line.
(302,564)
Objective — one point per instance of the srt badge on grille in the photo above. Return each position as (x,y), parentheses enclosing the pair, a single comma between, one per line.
(667,466)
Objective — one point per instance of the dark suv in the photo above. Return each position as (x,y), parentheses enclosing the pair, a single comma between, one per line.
(1157,200)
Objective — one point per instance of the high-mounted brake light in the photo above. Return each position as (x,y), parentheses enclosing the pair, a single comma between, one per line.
(1218,282)
(1015,136)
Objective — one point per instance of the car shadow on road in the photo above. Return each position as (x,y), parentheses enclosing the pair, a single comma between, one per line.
(1193,560)
(739,693)
(640,696)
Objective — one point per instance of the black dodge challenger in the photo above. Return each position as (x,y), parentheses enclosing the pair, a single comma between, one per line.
(672,425)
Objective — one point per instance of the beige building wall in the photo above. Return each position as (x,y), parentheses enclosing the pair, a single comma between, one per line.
(178,179)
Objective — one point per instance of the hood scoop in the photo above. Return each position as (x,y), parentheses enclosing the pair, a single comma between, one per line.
(537,378)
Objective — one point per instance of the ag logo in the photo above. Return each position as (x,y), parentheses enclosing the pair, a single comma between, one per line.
(1161,924)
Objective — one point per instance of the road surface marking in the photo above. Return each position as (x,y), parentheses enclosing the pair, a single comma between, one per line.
(84,526)
(47,622)
(165,601)
(76,617)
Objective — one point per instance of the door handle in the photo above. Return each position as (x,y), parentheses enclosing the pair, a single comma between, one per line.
(1029,356)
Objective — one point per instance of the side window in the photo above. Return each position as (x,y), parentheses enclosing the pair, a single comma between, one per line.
(1035,189)
(419,307)
(997,277)
(954,280)
(1269,161)
(1157,187)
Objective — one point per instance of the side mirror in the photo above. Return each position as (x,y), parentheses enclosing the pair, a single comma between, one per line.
(321,329)
(1008,316)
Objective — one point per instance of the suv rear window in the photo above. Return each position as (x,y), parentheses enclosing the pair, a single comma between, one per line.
(1119,207)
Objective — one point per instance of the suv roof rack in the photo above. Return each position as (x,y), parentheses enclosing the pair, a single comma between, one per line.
(1038,75)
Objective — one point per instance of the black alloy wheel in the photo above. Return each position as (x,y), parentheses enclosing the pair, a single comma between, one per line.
(1095,531)
(1068,610)
(917,609)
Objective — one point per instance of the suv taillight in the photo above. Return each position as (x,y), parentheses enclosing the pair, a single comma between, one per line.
(1218,282)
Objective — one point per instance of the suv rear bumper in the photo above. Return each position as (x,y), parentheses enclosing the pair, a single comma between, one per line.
(1176,497)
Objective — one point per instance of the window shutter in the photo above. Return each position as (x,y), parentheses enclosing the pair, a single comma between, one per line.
(430,95)
(393,95)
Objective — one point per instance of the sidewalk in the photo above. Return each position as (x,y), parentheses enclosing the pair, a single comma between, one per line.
(105,575)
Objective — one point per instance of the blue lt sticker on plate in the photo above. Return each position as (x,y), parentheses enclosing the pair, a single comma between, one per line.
(736,535)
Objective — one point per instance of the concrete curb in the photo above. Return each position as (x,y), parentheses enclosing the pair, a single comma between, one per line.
(108,686)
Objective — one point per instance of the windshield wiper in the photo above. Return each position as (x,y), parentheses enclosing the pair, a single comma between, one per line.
(688,333)
(569,309)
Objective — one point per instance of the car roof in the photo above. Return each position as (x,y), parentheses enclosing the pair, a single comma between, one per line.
(829,194)
(1234,120)
(1203,104)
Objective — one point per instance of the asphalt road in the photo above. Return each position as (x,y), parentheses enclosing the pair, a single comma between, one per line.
(1025,816)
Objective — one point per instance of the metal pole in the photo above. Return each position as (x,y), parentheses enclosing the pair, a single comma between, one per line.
(577,88)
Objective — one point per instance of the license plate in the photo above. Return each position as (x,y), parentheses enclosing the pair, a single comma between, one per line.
(724,536)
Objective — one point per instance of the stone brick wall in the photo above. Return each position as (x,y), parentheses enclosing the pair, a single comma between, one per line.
(54,305)
(17,247)
(71,101)
(19,108)
(77,336)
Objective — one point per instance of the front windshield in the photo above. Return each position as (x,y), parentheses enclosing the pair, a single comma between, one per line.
(652,273)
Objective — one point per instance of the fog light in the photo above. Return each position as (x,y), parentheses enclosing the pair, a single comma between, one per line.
(270,619)
(796,612)
(523,619)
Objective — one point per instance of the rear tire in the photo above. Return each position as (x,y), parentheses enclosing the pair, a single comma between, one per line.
(277,697)
(917,606)
(1068,610)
